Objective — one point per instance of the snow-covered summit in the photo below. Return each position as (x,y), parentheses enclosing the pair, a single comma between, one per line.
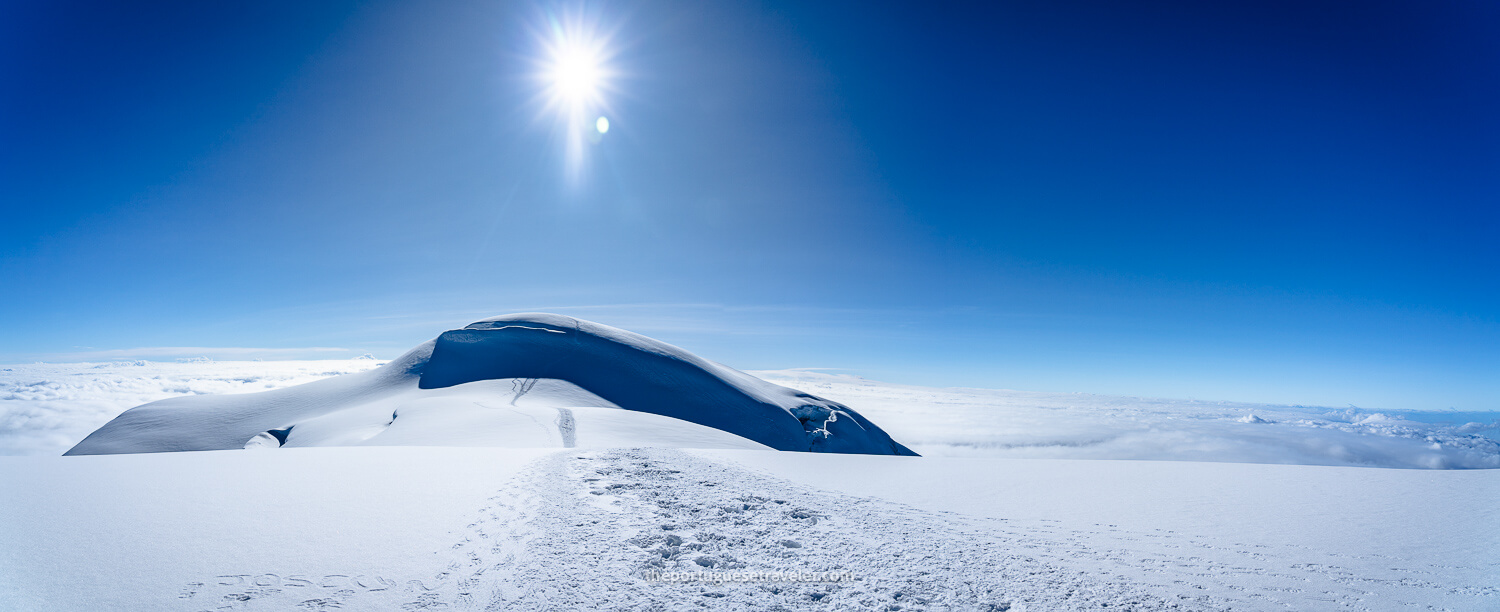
(530,380)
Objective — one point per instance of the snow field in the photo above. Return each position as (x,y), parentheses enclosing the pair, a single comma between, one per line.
(523,529)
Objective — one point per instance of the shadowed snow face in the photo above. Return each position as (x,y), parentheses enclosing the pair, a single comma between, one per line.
(669,397)
(643,375)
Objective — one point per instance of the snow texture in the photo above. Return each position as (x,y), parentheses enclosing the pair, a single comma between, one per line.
(520,380)
(407,528)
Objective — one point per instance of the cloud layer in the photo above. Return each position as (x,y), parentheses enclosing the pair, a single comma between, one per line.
(47,408)
(998,423)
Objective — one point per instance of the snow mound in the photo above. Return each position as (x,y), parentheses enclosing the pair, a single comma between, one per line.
(525,380)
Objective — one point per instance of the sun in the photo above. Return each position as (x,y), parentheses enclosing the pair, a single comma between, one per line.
(575,69)
(575,73)
(577,77)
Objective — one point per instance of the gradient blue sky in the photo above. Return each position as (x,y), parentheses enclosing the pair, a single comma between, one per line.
(1291,202)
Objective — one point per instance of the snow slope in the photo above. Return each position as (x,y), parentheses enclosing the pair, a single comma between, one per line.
(428,528)
(603,386)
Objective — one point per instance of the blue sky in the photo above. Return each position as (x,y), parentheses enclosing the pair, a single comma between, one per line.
(1289,202)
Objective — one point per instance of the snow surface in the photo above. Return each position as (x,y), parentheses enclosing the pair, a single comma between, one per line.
(599,386)
(427,528)
(1022,504)
(1364,538)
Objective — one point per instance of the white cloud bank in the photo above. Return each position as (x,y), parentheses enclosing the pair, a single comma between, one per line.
(189,352)
(47,408)
(998,423)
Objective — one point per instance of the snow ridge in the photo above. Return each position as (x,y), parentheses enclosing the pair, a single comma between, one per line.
(642,374)
(566,381)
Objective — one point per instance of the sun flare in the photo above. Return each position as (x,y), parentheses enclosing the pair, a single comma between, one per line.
(576,79)
(575,70)
(575,73)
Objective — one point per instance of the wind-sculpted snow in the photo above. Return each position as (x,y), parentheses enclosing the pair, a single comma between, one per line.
(531,380)
(637,373)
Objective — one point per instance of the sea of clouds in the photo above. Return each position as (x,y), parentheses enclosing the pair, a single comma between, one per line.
(1002,423)
(47,408)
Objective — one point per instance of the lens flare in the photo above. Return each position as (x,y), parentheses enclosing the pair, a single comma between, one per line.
(576,76)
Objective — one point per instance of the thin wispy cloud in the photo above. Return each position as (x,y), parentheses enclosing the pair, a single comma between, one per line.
(211,352)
